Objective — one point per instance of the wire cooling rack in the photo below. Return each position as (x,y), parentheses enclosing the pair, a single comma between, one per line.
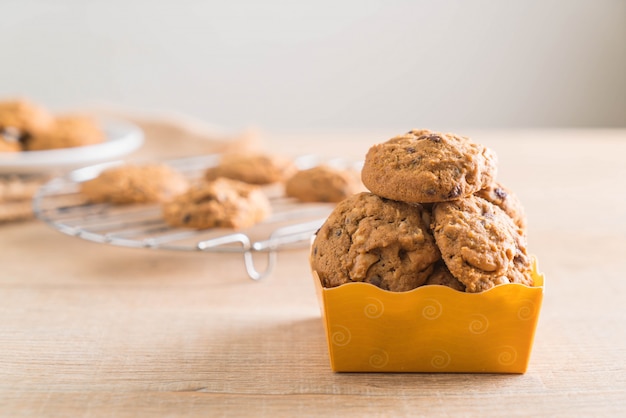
(291,224)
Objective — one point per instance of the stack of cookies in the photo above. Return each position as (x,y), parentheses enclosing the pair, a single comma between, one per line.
(435,214)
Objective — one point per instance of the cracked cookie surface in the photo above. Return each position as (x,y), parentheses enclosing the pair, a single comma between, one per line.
(374,240)
(423,166)
(131,183)
(223,203)
(322,184)
(252,168)
(506,200)
(480,244)
(441,276)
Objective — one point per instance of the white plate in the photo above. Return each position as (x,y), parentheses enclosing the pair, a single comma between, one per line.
(121,138)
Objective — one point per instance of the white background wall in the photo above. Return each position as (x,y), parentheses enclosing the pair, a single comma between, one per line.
(326,65)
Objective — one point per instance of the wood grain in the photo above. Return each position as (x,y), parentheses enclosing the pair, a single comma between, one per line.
(93,330)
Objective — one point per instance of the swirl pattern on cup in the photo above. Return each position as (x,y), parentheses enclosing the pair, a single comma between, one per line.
(440,360)
(479,324)
(379,358)
(341,335)
(507,355)
(432,310)
(526,311)
(374,309)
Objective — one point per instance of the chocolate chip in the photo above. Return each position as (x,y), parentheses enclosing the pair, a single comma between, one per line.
(410,150)
(500,193)
(187,218)
(402,255)
(431,137)
(376,280)
(11,134)
(338,232)
(454,192)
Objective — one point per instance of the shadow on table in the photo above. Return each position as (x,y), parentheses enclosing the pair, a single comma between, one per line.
(292,358)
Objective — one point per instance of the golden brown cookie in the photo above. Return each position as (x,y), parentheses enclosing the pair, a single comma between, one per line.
(222,203)
(480,244)
(22,119)
(441,276)
(252,168)
(67,131)
(135,184)
(374,240)
(322,184)
(506,200)
(14,187)
(9,144)
(16,194)
(424,167)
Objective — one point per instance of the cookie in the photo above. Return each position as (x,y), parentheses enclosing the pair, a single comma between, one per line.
(9,144)
(424,167)
(135,184)
(252,168)
(441,276)
(221,203)
(16,211)
(16,194)
(506,200)
(322,184)
(15,188)
(67,131)
(480,244)
(374,240)
(21,119)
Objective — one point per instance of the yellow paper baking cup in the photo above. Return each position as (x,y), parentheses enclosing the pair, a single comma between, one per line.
(431,328)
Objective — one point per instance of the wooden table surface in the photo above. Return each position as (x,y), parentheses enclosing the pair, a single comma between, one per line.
(90,329)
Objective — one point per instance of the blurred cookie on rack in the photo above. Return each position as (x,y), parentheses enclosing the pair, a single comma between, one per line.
(16,194)
(134,183)
(222,203)
(252,168)
(323,183)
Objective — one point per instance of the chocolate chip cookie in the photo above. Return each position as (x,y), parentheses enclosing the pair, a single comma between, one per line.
(67,131)
(422,166)
(374,240)
(135,184)
(21,119)
(441,276)
(252,168)
(506,200)
(9,144)
(223,203)
(322,184)
(480,244)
